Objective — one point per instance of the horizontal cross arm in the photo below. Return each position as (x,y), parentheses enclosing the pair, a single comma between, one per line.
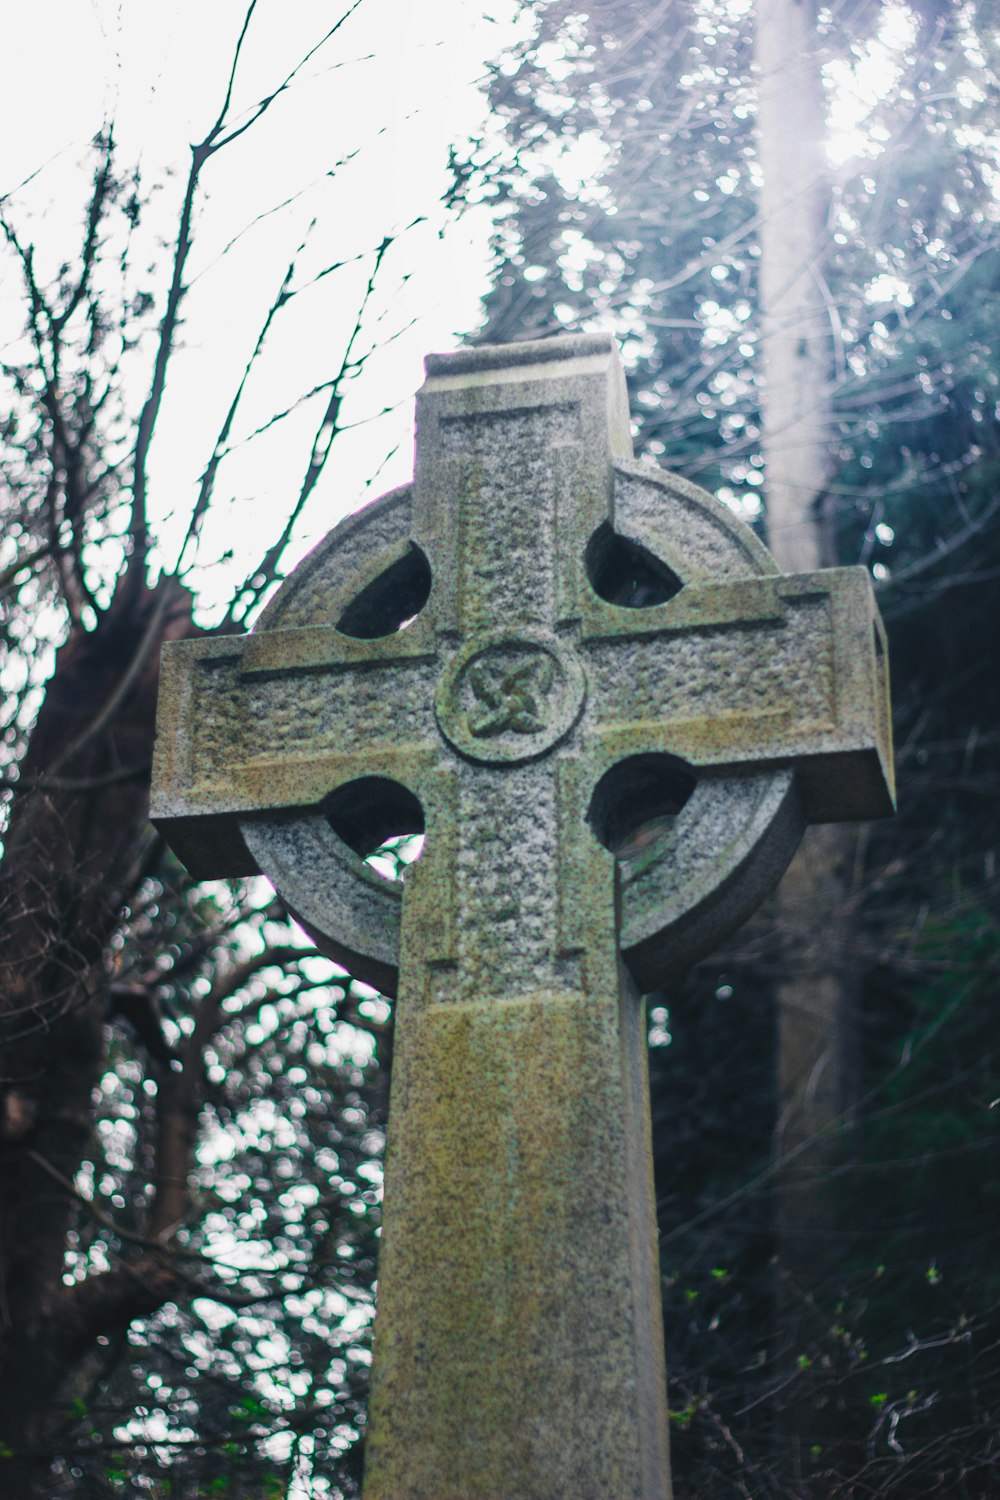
(764,672)
(276,722)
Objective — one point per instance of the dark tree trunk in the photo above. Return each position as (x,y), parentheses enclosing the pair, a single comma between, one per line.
(77,844)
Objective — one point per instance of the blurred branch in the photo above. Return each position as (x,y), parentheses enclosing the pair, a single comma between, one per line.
(261,577)
(214,141)
(206,486)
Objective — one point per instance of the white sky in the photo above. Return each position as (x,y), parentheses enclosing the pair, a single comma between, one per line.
(392,91)
(396,86)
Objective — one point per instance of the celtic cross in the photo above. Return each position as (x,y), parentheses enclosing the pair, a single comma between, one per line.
(612,715)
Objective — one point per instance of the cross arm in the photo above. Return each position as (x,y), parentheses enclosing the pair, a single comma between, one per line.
(759,672)
(273,722)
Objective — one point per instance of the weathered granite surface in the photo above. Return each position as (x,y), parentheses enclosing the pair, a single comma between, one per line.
(531,726)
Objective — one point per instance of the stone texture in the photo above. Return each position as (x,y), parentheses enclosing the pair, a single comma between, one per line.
(517,1347)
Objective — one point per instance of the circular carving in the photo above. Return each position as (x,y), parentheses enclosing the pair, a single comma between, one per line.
(509,697)
(727,847)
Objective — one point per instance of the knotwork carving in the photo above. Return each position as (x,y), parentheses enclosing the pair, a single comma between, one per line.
(510,697)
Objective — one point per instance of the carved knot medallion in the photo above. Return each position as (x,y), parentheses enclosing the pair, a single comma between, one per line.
(508,697)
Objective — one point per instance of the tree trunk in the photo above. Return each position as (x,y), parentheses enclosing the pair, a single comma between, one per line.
(797,423)
(75,847)
(816,990)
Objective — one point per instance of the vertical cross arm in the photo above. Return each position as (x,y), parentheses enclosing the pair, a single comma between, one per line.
(514,472)
(516,1348)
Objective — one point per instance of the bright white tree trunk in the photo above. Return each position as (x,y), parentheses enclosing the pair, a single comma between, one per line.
(795,321)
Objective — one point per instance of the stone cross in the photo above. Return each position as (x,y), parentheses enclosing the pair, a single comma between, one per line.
(613,716)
